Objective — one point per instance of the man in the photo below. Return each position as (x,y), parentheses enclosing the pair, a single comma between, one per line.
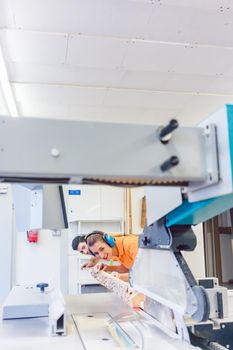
(103,246)
(79,244)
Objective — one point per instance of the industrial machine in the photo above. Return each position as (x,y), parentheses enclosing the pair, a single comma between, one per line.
(37,301)
(197,160)
(172,284)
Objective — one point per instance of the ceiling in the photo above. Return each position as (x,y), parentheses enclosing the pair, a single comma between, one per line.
(118,60)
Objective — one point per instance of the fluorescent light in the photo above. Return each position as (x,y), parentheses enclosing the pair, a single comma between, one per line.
(6,88)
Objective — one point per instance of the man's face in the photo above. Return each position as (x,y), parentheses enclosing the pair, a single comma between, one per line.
(82,248)
(102,250)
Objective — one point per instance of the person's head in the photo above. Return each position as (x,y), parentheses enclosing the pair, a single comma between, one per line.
(100,244)
(79,244)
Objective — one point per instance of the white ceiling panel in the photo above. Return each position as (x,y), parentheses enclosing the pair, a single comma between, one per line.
(23,46)
(53,94)
(64,74)
(96,52)
(96,113)
(122,114)
(3,107)
(204,60)
(6,14)
(178,58)
(181,23)
(210,5)
(136,60)
(37,109)
(134,98)
(152,57)
(103,17)
(144,80)
(188,82)
(158,20)
(168,81)
(199,107)
(222,85)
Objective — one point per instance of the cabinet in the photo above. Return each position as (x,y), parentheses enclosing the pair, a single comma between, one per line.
(92,202)
(112,203)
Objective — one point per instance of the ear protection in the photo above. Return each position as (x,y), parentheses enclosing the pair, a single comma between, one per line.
(106,237)
(109,240)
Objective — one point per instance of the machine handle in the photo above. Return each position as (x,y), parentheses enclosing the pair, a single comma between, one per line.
(166,131)
(169,163)
(42,286)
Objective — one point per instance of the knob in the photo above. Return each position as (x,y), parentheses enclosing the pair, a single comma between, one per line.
(166,132)
(146,240)
(169,163)
(42,286)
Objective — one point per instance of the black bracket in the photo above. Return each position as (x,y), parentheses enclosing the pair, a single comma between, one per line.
(221,335)
(155,236)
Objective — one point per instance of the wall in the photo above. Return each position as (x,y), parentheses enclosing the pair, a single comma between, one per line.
(226,246)
(6,240)
(195,259)
(136,197)
(28,263)
(37,262)
(47,260)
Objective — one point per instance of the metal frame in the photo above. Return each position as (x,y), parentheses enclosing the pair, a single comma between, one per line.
(75,151)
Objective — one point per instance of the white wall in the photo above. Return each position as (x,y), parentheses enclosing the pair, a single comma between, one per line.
(47,260)
(6,240)
(195,259)
(22,262)
(37,262)
(136,197)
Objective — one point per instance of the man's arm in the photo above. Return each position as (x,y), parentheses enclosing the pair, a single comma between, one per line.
(121,268)
(122,276)
(90,263)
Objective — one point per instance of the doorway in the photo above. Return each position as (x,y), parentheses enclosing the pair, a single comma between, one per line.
(218,246)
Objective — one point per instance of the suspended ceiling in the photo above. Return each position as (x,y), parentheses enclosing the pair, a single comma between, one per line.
(121,60)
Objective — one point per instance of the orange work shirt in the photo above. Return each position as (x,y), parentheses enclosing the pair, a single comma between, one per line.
(127,247)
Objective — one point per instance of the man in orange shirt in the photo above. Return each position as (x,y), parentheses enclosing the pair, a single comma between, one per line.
(104,246)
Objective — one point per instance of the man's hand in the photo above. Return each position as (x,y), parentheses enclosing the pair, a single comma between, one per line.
(90,263)
(122,276)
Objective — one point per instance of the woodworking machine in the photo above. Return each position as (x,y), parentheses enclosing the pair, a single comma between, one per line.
(198,161)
